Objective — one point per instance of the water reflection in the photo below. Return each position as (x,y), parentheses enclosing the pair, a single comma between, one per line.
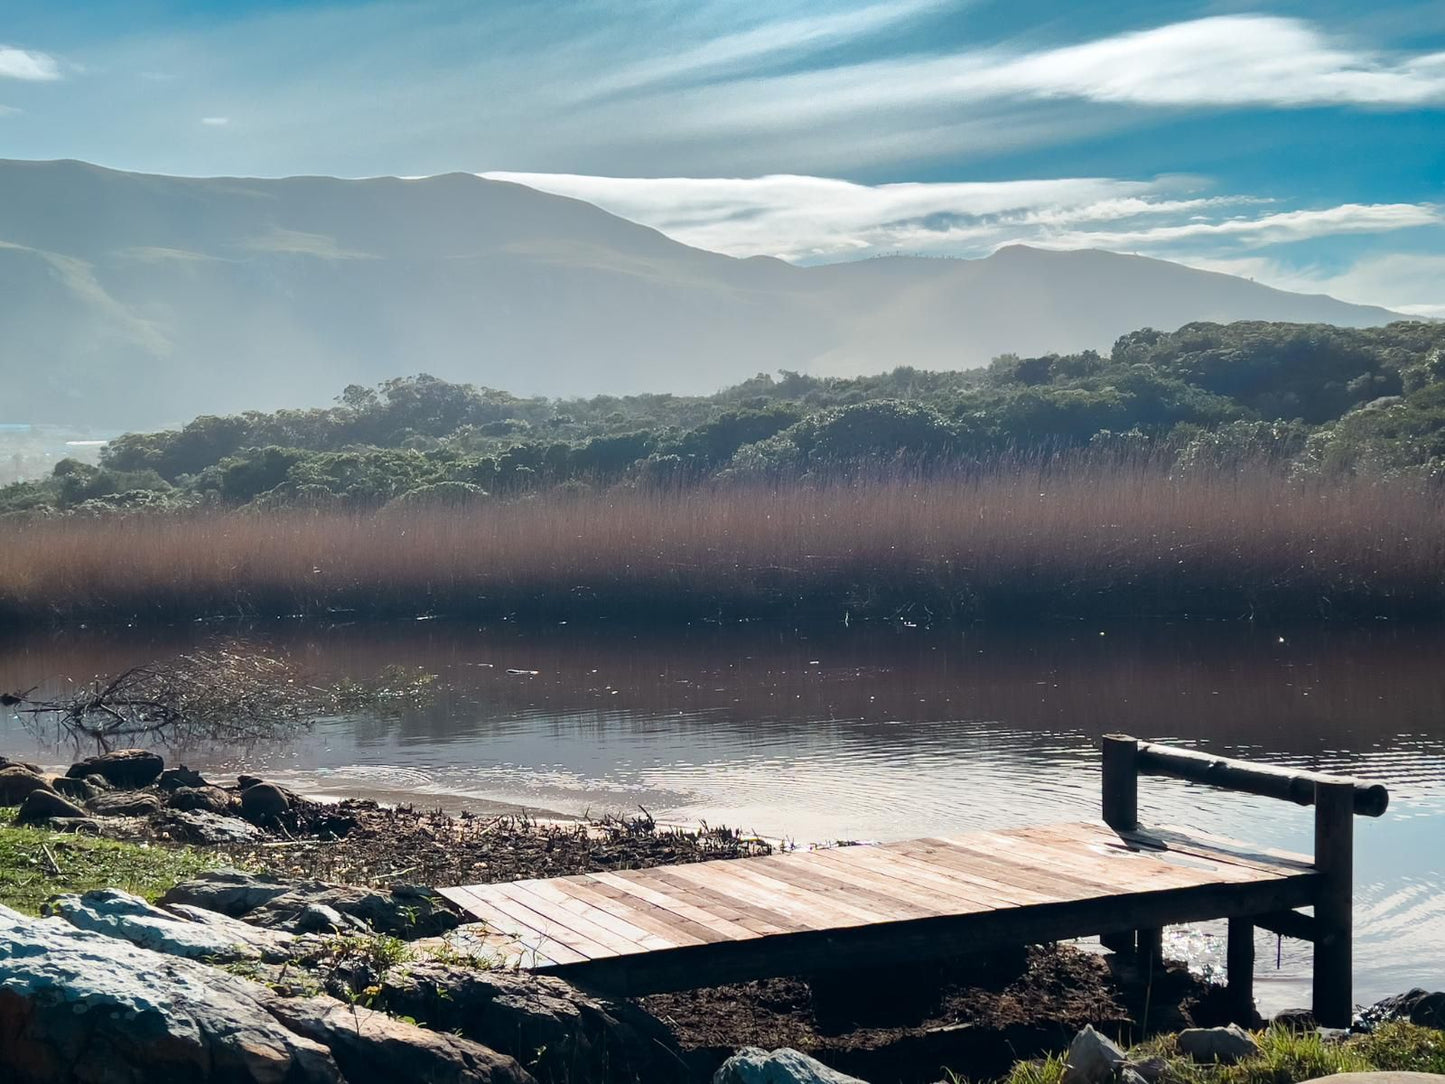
(879,734)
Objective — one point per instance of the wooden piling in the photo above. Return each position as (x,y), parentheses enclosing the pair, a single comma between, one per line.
(1334,859)
(1239,969)
(1121,782)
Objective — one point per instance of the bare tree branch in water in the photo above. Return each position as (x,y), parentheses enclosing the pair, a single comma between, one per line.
(234,693)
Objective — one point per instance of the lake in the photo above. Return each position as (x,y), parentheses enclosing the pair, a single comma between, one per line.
(873,734)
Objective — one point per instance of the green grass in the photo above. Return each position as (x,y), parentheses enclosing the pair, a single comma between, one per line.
(28,877)
(1285,1058)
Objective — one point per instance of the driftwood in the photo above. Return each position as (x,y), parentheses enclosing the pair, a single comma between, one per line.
(234,693)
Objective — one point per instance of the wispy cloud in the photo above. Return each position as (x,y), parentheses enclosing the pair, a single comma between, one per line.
(18,63)
(215,122)
(1408,282)
(809,219)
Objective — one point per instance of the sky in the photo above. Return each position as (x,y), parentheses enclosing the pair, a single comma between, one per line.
(1300,144)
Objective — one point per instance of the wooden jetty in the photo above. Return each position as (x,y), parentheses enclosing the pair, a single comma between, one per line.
(702,924)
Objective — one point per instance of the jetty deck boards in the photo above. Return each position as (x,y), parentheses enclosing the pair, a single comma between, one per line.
(674,927)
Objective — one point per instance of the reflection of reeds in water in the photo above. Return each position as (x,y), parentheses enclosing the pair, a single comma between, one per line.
(1003,544)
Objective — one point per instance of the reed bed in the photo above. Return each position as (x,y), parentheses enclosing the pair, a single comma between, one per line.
(1015,544)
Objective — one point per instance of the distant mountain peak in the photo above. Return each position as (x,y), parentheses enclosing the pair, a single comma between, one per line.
(132,300)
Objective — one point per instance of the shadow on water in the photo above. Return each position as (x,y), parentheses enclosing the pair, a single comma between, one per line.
(877,734)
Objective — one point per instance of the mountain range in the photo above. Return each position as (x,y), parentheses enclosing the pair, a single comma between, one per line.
(131,300)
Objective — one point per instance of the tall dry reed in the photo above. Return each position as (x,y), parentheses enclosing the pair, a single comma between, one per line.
(1005,544)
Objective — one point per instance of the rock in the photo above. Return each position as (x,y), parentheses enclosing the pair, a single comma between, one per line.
(753,1066)
(1130,1075)
(121,768)
(245,781)
(1224,1046)
(124,803)
(1417,1006)
(174,778)
(264,802)
(561,1033)
(98,782)
(78,1006)
(40,805)
(227,891)
(77,790)
(190,932)
(1149,1068)
(1294,1020)
(405,914)
(33,769)
(1091,1058)
(371,1046)
(319,918)
(17,782)
(198,826)
(207,798)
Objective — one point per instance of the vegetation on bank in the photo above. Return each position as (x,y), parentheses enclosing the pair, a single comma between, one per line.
(1035,540)
(1243,470)
(36,863)
(1285,1058)
(1305,400)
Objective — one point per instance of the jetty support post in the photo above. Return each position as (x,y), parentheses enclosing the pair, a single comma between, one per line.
(1121,813)
(1334,859)
(1239,968)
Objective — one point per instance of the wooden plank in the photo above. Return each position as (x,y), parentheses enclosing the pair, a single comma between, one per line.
(605,916)
(890,878)
(814,910)
(674,929)
(632,888)
(806,871)
(1152,844)
(535,942)
(1112,861)
(1127,871)
(1033,884)
(505,899)
(568,913)
(761,920)
(889,862)
(807,883)
(1192,841)
(997,883)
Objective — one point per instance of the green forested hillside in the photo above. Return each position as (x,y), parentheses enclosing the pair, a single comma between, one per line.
(1304,399)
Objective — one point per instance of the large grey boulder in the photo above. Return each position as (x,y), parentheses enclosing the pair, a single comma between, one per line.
(408,913)
(206,829)
(229,891)
(561,1033)
(191,932)
(81,1007)
(371,1046)
(1223,1046)
(121,768)
(753,1066)
(1092,1058)
(207,798)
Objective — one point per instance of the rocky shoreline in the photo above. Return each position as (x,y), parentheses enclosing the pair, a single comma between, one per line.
(316,950)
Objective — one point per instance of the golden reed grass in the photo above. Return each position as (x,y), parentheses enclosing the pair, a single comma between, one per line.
(1006,544)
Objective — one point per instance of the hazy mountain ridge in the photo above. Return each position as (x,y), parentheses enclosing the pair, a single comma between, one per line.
(137,299)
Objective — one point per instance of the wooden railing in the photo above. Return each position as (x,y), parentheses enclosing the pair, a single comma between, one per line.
(1337,799)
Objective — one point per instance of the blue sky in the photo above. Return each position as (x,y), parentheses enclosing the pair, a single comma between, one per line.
(1302,144)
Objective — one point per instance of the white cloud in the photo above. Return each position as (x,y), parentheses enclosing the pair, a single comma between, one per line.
(8,111)
(809,219)
(1408,282)
(27,64)
(215,122)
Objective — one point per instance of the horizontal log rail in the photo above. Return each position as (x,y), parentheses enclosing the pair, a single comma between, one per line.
(1290,784)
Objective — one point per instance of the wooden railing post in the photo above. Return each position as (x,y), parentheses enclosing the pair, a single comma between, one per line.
(1239,969)
(1334,859)
(1121,782)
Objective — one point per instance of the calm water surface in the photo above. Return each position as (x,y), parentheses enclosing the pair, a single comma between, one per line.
(878,735)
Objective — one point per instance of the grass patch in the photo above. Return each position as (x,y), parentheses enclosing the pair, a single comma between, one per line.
(29,858)
(1285,1058)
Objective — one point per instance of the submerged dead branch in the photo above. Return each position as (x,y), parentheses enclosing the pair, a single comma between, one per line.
(233,693)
